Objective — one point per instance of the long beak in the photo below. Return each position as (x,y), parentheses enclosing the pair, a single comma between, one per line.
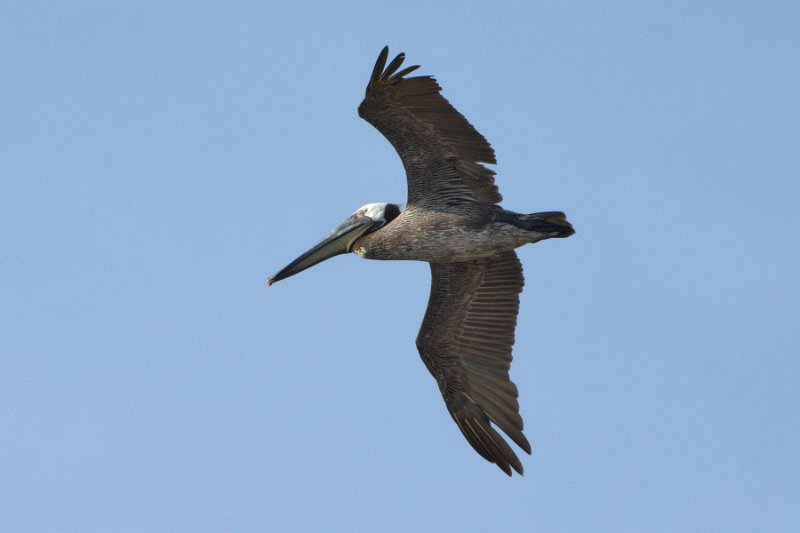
(338,241)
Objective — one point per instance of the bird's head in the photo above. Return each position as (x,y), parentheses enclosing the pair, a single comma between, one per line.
(339,241)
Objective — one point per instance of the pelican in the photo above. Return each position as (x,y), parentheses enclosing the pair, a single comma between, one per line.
(452,220)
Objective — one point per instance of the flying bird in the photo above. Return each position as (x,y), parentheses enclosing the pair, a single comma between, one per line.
(452,220)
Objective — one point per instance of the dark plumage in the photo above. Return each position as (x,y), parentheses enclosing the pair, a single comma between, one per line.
(451,221)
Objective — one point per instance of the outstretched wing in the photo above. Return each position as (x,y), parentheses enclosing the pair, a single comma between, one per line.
(465,341)
(441,152)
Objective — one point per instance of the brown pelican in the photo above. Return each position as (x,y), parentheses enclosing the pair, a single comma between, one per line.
(453,222)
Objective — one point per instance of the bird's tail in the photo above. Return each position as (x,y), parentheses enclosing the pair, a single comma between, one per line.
(554,222)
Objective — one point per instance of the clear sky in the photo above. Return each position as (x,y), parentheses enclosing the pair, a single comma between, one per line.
(158,163)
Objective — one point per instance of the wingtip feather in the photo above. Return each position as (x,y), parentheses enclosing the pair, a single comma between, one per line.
(379,64)
(393,66)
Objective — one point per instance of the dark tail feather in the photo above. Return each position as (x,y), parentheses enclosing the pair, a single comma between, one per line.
(547,222)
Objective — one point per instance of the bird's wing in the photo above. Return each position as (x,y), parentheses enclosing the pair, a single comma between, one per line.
(441,152)
(465,341)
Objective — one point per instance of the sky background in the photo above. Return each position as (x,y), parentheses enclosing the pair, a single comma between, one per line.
(159,162)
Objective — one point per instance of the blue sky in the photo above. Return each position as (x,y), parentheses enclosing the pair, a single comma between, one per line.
(159,162)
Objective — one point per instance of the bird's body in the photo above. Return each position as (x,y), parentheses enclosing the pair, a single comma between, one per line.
(449,236)
(453,222)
